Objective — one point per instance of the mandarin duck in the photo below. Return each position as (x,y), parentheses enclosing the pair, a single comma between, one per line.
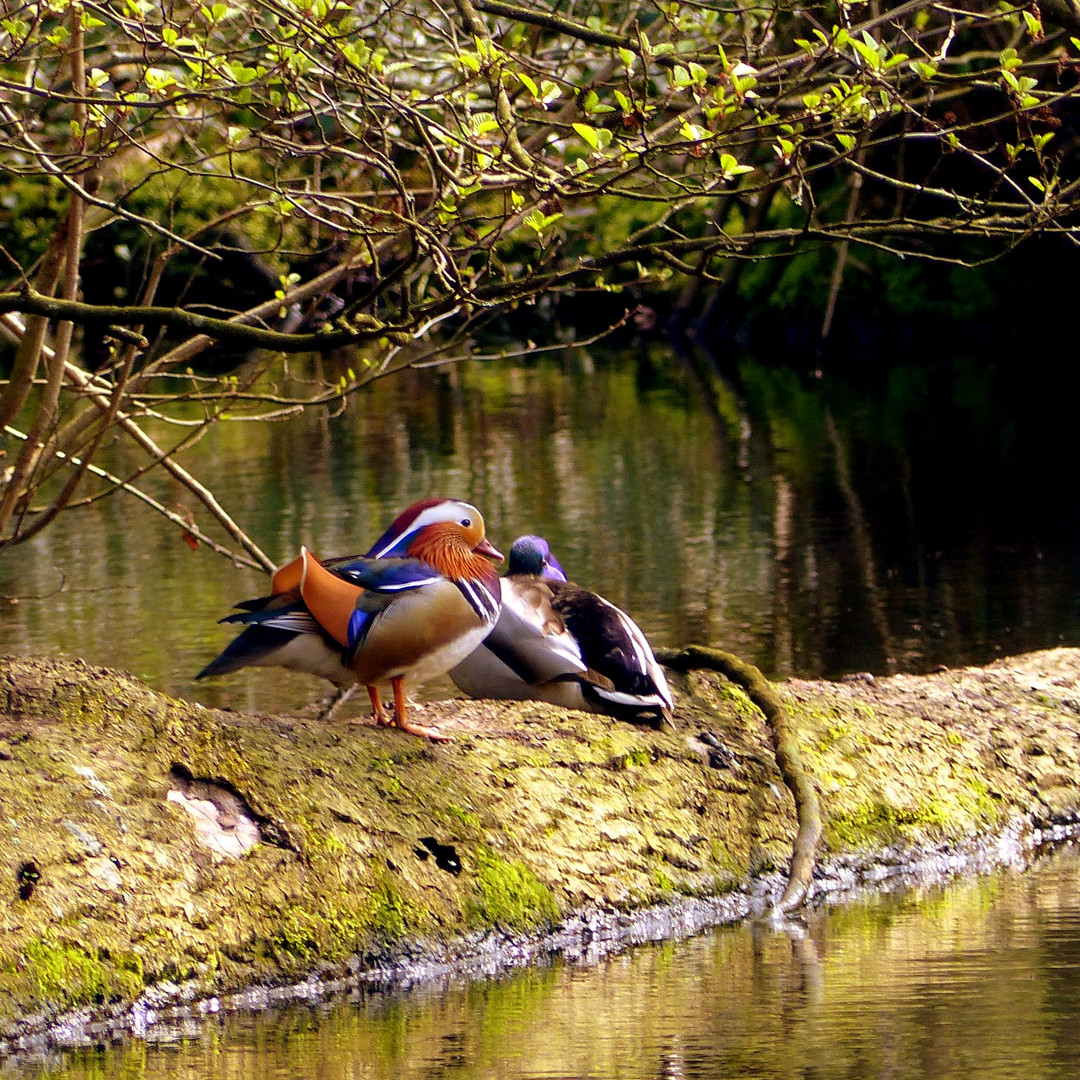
(420,601)
(557,642)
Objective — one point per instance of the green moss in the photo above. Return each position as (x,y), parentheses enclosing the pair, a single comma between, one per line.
(976,799)
(337,928)
(388,913)
(637,757)
(954,738)
(67,974)
(874,823)
(466,817)
(510,895)
(732,695)
(297,935)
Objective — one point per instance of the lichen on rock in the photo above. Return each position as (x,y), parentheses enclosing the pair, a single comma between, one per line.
(373,844)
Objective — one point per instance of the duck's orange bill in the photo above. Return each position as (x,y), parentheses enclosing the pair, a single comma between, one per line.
(330,599)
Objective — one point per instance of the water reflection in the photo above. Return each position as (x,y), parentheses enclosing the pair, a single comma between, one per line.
(811,528)
(978,979)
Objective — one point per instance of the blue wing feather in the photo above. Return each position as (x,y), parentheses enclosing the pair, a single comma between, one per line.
(359,624)
(388,575)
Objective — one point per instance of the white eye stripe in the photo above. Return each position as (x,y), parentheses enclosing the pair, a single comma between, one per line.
(440,513)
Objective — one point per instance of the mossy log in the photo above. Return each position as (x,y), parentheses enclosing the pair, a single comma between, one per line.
(147,841)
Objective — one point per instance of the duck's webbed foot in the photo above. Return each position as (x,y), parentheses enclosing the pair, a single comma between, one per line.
(377,710)
(401,719)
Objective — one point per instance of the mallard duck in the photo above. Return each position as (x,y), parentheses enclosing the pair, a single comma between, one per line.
(421,600)
(558,642)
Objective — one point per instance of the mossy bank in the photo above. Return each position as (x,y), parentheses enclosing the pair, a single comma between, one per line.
(148,842)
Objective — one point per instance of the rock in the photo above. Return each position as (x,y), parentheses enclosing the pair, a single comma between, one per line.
(162,856)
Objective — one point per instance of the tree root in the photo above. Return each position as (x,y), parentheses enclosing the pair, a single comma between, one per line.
(762,693)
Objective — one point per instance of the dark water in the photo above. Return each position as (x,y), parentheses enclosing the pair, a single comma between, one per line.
(815,526)
(977,979)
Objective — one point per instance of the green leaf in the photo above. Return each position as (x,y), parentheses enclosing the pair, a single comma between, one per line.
(846,141)
(694,132)
(483,122)
(730,167)
(869,53)
(589,134)
(538,221)
(1009,59)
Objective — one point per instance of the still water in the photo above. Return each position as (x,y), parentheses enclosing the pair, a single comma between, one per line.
(977,979)
(814,526)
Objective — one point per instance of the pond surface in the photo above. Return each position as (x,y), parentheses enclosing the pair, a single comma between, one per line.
(814,526)
(811,526)
(977,979)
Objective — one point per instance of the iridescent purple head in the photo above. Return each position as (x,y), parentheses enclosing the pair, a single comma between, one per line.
(531,555)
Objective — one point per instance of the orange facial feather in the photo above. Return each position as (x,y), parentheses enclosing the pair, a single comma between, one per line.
(446,546)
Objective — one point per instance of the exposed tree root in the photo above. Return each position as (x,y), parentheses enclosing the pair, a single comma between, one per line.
(762,693)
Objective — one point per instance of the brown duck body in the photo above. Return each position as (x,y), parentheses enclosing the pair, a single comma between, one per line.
(424,602)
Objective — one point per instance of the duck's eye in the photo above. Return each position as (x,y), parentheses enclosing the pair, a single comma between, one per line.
(466,522)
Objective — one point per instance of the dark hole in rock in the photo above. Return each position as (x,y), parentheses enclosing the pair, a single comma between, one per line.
(446,857)
(28,876)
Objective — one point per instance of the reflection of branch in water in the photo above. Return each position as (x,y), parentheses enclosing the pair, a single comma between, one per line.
(19,597)
(864,551)
(672,1063)
(811,970)
(782,525)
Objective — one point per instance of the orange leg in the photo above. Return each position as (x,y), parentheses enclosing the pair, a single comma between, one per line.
(377,709)
(401,721)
